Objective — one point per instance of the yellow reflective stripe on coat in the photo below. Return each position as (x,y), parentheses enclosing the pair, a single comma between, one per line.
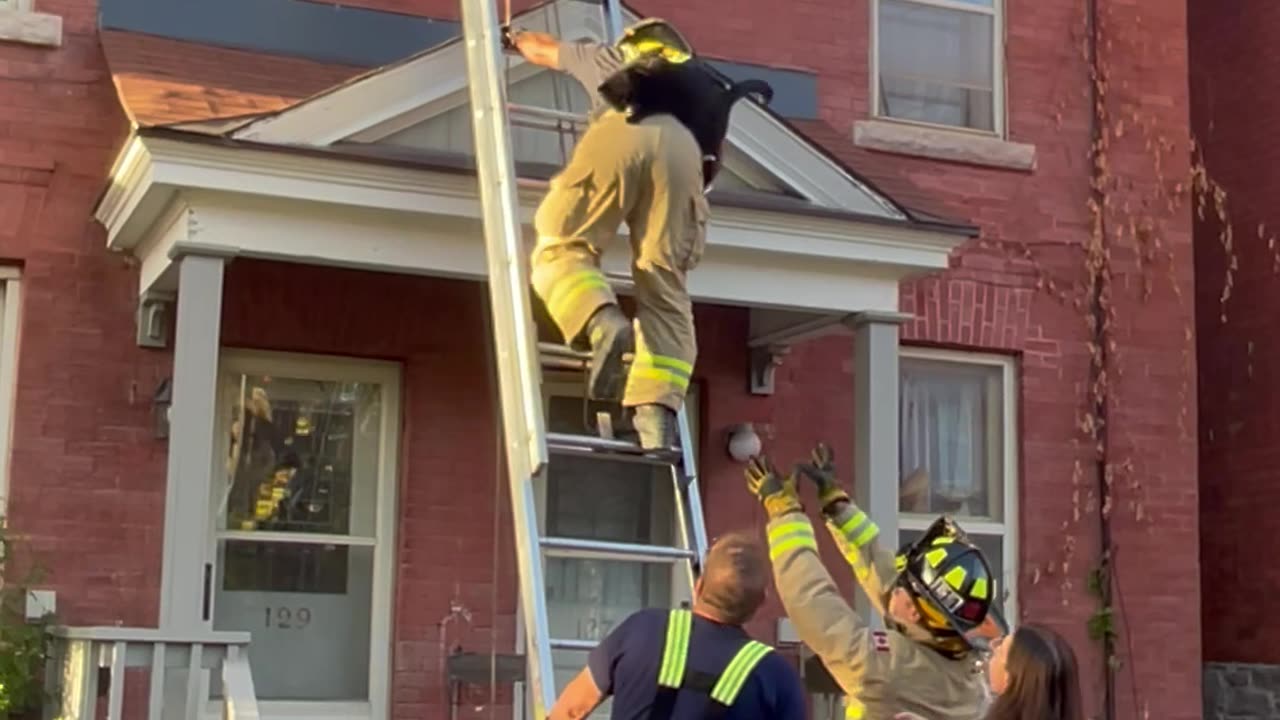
(788,536)
(853,709)
(679,624)
(570,288)
(735,675)
(662,368)
(859,529)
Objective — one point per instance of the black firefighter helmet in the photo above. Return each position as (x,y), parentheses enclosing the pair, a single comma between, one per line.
(951,583)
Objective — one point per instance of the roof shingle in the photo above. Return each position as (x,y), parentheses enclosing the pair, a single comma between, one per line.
(163,82)
(883,171)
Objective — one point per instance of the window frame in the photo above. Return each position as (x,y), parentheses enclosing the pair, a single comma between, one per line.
(386,524)
(10,305)
(1007,527)
(999,81)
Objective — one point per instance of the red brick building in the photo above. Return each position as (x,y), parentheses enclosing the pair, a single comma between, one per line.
(243,199)
(1236,348)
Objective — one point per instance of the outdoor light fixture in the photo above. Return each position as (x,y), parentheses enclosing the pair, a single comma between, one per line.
(160,403)
(743,442)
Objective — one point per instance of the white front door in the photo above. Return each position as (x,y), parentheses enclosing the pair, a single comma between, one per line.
(303,528)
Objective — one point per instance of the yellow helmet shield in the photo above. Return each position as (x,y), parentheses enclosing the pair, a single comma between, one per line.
(654,36)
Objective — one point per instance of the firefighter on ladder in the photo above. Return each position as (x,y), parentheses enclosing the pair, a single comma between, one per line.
(647,166)
(935,596)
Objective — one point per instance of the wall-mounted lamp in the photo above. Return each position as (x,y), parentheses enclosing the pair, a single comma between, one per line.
(743,442)
(161,401)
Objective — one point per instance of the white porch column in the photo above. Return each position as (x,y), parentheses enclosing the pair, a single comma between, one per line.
(875,470)
(191,443)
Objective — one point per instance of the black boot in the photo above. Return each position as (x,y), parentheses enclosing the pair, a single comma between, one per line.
(656,426)
(611,337)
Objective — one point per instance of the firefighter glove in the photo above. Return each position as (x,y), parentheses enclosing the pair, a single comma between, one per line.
(821,470)
(777,494)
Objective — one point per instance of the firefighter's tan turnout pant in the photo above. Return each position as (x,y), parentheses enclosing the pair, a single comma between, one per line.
(648,175)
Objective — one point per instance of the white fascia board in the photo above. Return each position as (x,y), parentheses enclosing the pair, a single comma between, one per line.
(354,195)
(364,184)
(369,239)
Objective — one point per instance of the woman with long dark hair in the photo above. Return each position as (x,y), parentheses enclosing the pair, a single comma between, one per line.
(1034,676)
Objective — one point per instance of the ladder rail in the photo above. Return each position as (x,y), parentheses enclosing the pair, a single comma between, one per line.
(519,374)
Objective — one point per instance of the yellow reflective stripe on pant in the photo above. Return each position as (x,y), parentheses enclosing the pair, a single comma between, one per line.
(853,709)
(679,625)
(676,651)
(671,370)
(571,289)
(788,536)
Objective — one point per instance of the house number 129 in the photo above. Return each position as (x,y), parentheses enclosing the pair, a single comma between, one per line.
(286,618)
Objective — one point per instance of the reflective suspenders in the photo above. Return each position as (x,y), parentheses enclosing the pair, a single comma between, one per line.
(672,675)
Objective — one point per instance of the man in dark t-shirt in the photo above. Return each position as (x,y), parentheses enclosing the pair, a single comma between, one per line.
(693,664)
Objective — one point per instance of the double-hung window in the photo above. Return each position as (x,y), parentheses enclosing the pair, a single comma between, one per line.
(939,62)
(958,450)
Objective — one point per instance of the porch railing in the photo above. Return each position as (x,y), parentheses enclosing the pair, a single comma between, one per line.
(80,654)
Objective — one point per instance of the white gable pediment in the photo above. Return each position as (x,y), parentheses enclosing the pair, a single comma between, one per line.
(422,103)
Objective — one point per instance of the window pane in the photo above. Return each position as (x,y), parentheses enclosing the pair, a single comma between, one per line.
(952,444)
(936,64)
(308,607)
(992,547)
(303,456)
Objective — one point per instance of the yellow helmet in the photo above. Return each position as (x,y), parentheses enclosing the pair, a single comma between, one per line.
(654,36)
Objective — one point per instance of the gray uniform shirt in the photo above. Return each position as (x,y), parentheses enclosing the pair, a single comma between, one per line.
(591,64)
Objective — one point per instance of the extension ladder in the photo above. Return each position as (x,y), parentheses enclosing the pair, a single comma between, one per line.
(521,361)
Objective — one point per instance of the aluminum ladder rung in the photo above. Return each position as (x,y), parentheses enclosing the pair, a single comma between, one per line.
(542,113)
(566,444)
(572,644)
(562,357)
(619,551)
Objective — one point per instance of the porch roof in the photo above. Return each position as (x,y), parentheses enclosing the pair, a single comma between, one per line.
(237,153)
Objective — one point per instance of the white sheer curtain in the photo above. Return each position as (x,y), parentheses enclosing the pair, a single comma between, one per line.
(937,64)
(943,433)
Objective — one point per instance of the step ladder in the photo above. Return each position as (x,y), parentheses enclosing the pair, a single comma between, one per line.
(521,361)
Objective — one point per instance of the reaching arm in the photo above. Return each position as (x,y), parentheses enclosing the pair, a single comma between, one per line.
(538,48)
(822,618)
(857,537)
(578,699)
(855,533)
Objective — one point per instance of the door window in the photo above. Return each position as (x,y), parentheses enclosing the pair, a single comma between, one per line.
(297,530)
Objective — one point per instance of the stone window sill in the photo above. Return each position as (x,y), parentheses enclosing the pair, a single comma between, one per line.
(943,144)
(30,28)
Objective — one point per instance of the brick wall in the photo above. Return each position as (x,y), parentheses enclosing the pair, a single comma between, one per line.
(1237,356)
(87,479)
(85,466)
(445,534)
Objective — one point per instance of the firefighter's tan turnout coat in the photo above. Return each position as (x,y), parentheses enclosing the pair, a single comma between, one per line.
(883,672)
